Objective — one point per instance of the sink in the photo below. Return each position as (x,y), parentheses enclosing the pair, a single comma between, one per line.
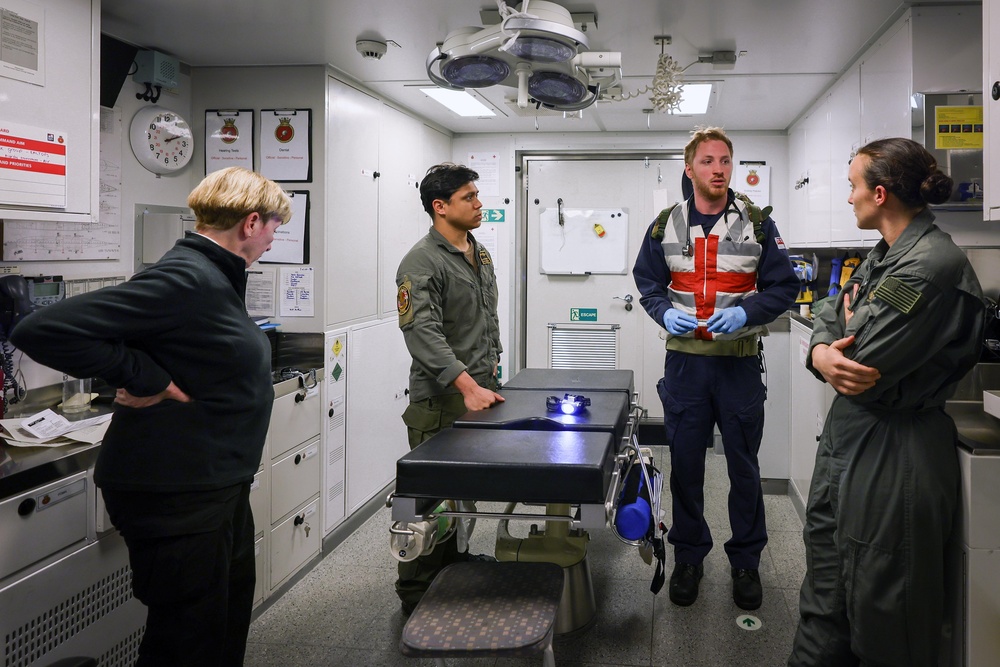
(982,376)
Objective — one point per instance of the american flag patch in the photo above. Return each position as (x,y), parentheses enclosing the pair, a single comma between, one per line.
(778,242)
(898,294)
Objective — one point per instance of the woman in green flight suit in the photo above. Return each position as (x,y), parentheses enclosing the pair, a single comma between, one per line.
(885,489)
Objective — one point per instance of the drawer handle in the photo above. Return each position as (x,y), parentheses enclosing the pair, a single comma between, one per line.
(298,459)
(300,396)
(299,520)
(331,412)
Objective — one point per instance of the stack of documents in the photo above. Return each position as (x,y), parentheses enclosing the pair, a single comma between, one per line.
(49,429)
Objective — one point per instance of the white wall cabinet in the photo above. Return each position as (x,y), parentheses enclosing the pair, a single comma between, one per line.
(63,100)
(376,398)
(928,50)
(352,222)
(774,455)
(810,401)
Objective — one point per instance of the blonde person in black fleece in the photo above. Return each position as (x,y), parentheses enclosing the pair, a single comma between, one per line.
(192,409)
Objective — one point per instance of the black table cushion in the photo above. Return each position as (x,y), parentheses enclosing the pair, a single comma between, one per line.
(525,409)
(573,381)
(509,466)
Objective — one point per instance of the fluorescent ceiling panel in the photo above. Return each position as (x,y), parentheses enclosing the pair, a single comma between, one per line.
(694,98)
(458,101)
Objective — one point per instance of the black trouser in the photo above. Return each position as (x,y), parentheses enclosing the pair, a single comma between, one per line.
(193,567)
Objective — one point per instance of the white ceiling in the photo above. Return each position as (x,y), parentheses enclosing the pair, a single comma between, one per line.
(794,49)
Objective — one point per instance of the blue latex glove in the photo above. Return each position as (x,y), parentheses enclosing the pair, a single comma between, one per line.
(678,322)
(727,320)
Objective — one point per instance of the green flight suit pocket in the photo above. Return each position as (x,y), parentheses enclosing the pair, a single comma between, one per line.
(422,421)
(876,602)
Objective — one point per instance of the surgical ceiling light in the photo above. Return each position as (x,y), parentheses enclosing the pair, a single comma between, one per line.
(537,50)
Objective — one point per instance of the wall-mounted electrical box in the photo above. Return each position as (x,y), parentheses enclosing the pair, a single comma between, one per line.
(155,68)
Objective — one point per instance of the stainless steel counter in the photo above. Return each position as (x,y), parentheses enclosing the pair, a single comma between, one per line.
(23,468)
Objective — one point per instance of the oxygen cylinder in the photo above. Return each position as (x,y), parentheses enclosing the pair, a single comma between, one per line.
(634,517)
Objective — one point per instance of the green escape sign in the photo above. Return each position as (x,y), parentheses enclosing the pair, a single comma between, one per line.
(582,314)
(493,215)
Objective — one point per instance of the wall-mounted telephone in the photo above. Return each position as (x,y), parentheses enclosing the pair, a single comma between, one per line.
(46,290)
(15,304)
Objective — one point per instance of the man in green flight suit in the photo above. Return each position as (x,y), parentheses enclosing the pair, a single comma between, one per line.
(447,303)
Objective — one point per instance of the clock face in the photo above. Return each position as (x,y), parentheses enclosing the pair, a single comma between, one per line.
(161,140)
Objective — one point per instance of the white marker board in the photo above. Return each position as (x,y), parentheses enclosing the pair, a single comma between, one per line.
(576,246)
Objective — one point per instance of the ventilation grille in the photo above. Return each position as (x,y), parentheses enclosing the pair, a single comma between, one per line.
(28,643)
(124,653)
(337,420)
(336,454)
(583,346)
(335,490)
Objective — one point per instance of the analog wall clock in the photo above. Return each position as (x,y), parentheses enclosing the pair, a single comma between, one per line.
(161,140)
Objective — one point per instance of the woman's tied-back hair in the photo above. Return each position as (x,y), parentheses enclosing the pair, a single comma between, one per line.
(229,195)
(442,181)
(907,170)
(702,134)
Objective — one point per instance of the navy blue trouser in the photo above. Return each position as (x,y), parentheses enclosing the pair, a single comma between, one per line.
(699,392)
(193,567)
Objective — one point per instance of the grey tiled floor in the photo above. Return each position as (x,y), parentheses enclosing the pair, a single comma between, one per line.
(344,612)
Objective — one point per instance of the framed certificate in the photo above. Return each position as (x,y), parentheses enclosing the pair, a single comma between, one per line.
(286,145)
(228,139)
(291,240)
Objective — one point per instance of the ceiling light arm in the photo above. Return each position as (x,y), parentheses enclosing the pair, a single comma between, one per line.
(434,57)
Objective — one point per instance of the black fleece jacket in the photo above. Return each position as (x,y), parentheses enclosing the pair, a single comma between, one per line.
(182,319)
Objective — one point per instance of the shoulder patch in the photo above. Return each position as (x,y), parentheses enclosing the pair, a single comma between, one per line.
(661,222)
(484,256)
(403,302)
(898,294)
(778,242)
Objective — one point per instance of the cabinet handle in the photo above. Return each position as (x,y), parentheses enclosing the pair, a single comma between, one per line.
(331,412)
(299,520)
(996,90)
(298,458)
(299,397)
(376,175)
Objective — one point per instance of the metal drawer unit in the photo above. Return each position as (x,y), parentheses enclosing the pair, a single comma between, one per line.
(294,479)
(294,541)
(39,522)
(295,419)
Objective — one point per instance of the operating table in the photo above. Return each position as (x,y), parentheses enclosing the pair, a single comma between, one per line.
(521,451)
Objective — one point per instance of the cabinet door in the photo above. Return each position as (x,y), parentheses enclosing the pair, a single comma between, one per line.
(818,190)
(352,219)
(808,411)
(991,98)
(63,100)
(376,436)
(845,139)
(798,204)
(401,219)
(886,87)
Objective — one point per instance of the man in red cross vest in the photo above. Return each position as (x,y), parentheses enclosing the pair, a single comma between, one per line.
(714,271)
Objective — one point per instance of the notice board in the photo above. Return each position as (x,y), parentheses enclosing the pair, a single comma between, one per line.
(583,241)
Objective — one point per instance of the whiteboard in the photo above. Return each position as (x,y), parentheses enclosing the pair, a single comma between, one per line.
(577,247)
